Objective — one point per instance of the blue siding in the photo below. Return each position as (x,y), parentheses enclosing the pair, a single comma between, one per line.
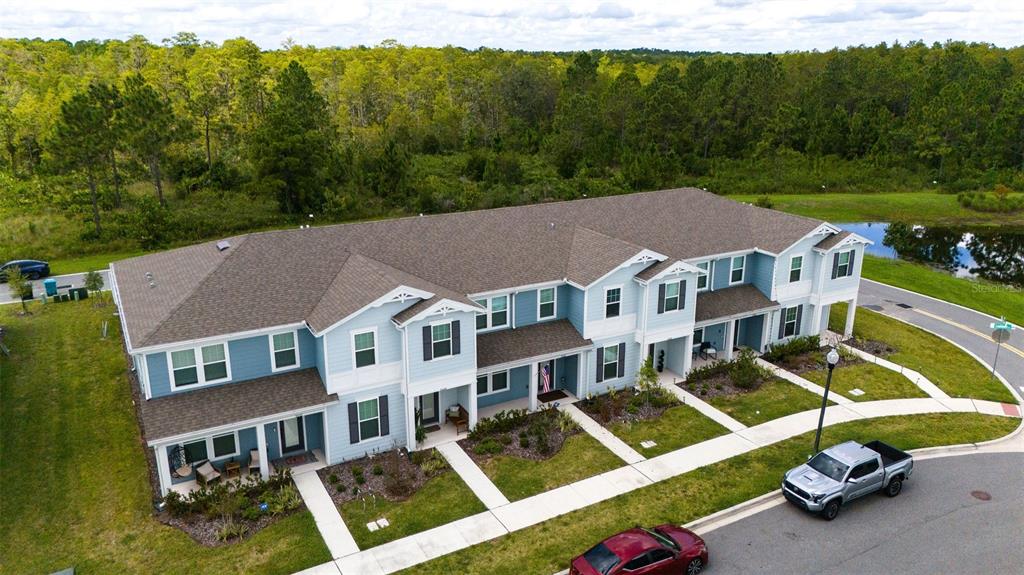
(526,308)
(657,320)
(273,441)
(389,339)
(574,307)
(760,268)
(314,431)
(566,373)
(720,278)
(337,426)
(159,378)
(466,360)
(630,293)
(843,283)
(250,357)
(562,301)
(751,330)
(519,386)
(321,358)
(633,356)
(716,335)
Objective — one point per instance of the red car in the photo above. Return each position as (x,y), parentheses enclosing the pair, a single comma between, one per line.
(663,550)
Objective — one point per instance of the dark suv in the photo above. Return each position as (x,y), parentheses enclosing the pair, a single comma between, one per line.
(32,269)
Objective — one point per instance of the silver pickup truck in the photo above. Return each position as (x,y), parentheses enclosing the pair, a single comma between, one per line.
(845,472)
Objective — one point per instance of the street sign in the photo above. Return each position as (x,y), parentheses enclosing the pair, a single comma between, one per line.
(1002,325)
(1000,335)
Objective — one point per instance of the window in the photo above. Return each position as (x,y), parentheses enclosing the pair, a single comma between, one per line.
(611,362)
(864,469)
(496,314)
(796,264)
(545,303)
(224,446)
(736,269)
(611,302)
(790,322)
(698,336)
(702,277)
(441,340)
(492,383)
(365,346)
(843,265)
(672,300)
(284,350)
(638,562)
(183,367)
(658,555)
(196,451)
(215,363)
(369,419)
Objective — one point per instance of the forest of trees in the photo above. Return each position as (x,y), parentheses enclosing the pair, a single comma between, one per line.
(144,144)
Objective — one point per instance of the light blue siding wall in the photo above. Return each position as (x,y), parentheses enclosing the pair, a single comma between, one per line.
(574,306)
(844,283)
(566,374)
(526,308)
(314,424)
(519,386)
(716,335)
(273,441)
(675,351)
(720,278)
(633,356)
(562,303)
(751,330)
(658,321)
(338,432)
(465,360)
(321,357)
(760,268)
(249,357)
(810,262)
(630,293)
(389,339)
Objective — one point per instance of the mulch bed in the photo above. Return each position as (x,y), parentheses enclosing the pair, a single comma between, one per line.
(204,530)
(716,385)
(510,440)
(375,484)
(874,347)
(813,361)
(608,411)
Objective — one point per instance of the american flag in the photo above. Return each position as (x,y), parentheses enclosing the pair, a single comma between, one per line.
(547,379)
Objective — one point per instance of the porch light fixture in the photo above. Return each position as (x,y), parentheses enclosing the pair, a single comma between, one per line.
(832,358)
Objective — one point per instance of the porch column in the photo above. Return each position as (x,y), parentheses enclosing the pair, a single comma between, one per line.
(816,322)
(472,405)
(410,421)
(261,445)
(687,355)
(581,359)
(163,471)
(730,338)
(851,311)
(534,371)
(766,330)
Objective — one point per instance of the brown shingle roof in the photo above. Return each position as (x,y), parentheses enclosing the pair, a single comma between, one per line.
(831,241)
(531,341)
(731,301)
(290,276)
(210,407)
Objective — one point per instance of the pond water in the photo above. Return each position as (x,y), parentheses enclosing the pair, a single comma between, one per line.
(995,254)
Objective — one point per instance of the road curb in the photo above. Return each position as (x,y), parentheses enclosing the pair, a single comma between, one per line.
(729,515)
(931,297)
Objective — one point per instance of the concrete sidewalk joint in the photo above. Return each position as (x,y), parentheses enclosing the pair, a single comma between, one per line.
(472,475)
(605,437)
(328,521)
(704,407)
(806,384)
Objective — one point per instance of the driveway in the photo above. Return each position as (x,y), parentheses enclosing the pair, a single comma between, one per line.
(75,280)
(935,526)
(966,327)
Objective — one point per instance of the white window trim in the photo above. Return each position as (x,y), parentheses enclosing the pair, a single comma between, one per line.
(359,422)
(679,297)
(706,275)
(800,269)
(490,311)
(273,358)
(352,345)
(743,269)
(208,440)
(451,329)
(197,353)
(554,304)
(786,321)
(839,264)
(604,301)
(490,382)
(605,363)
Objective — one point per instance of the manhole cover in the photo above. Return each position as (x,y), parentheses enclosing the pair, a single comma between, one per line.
(904,306)
(982,495)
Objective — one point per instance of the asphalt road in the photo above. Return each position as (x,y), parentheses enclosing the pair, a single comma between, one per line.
(934,526)
(966,327)
(74,280)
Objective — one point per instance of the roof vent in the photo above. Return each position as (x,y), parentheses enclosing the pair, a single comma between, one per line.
(223,245)
(149,278)
(551,225)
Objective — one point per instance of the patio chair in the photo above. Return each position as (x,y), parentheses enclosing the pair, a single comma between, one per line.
(254,461)
(707,350)
(459,418)
(207,473)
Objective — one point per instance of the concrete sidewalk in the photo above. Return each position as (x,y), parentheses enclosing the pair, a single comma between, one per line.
(916,378)
(472,475)
(328,521)
(806,384)
(600,433)
(704,407)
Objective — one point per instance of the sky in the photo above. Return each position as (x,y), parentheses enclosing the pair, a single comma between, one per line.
(711,25)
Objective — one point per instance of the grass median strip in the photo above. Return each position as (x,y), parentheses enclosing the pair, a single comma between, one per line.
(946,365)
(547,547)
(875,381)
(774,399)
(676,428)
(72,470)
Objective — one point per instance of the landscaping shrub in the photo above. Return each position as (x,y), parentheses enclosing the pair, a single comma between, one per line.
(797,346)
(396,483)
(433,464)
(377,469)
(283,499)
(999,201)
(502,422)
(744,371)
(177,505)
(706,371)
(489,446)
(231,530)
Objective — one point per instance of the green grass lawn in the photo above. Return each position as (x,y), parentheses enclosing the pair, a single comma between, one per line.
(774,399)
(547,547)
(924,208)
(441,500)
(677,427)
(89,263)
(875,381)
(986,297)
(946,365)
(581,456)
(73,478)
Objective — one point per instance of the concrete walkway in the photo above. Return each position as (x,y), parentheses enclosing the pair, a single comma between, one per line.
(333,530)
(601,433)
(916,378)
(703,407)
(472,475)
(806,384)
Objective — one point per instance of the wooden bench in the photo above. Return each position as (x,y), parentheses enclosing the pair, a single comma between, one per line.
(460,421)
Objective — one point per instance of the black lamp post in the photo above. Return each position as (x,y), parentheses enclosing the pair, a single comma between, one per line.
(832,358)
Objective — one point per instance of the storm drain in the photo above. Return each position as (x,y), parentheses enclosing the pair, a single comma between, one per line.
(873,307)
(905,306)
(982,495)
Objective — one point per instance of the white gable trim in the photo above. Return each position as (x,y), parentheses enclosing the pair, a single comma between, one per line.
(679,267)
(644,256)
(823,229)
(400,294)
(847,241)
(442,307)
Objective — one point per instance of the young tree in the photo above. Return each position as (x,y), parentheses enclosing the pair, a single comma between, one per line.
(149,126)
(80,141)
(18,285)
(94,281)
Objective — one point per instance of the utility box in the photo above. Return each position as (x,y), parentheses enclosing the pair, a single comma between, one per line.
(50,285)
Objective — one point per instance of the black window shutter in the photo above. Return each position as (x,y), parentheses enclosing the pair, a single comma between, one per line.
(382,406)
(661,298)
(353,423)
(849,270)
(799,319)
(456,338)
(428,348)
(600,364)
(782,324)
(622,359)
(682,294)
(835,265)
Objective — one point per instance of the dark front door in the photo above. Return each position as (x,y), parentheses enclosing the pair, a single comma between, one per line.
(428,408)
(293,438)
